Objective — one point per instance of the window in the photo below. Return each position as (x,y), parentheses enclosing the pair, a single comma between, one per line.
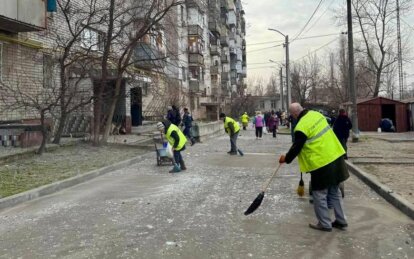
(92,39)
(47,71)
(273,104)
(145,88)
(262,105)
(1,62)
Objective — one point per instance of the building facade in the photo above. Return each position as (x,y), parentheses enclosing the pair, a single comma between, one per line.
(195,58)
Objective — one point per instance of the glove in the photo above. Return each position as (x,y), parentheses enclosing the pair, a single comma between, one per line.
(282,159)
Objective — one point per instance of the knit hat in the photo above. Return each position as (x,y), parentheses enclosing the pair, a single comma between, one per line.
(160,126)
(222,115)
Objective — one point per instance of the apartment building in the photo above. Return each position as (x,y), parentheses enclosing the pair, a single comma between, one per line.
(195,57)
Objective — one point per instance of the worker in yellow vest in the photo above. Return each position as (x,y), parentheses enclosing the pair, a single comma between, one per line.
(232,128)
(245,120)
(321,154)
(177,140)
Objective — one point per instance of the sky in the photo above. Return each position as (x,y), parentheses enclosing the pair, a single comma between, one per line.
(289,17)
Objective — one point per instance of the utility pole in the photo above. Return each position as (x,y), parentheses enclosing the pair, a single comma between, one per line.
(289,98)
(282,99)
(400,65)
(286,45)
(352,90)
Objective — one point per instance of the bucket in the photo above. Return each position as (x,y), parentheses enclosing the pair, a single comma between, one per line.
(379,130)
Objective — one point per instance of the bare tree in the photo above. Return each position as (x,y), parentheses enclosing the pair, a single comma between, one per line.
(273,86)
(75,59)
(126,23)
(375,19)
(305,78)
(23,91)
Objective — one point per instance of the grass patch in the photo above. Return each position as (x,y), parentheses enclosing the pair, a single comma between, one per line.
(62,163)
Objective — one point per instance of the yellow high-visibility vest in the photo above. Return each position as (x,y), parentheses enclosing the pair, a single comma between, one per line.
(244,118)
(236,126)
(321,147)
(171,140)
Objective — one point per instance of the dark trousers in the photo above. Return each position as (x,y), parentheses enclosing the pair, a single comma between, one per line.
(177,155)
(233,142)
(274,132)
(259,132)
(188,134)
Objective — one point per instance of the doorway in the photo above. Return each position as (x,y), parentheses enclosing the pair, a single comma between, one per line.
(136,106)
(388,111)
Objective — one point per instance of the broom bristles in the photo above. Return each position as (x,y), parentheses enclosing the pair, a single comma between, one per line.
(301,188)
(301,191)
(256,203)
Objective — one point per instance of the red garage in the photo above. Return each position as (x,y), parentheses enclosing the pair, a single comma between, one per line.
(371,111)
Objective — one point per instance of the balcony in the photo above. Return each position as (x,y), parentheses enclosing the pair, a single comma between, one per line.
(224,58)
(224,41)
(147,56)
(195,50)
(195,60)
(215,91)
(195,30)
(225,77)
(215,50)
(214,70)
(22,16)
(194,86)
(214,27)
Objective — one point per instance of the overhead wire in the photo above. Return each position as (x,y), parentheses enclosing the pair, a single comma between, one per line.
(317,20)
(255,50)
(307,23)
(302,38)
(316,50)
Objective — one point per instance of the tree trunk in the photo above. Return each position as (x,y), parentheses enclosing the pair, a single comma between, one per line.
(110,115)
(377,83)
(44,130)
(61,126)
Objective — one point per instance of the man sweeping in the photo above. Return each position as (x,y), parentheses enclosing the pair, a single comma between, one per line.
(177,140)
(232,128)
(321,154)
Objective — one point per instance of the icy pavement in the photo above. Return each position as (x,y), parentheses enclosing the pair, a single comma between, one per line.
(144,212)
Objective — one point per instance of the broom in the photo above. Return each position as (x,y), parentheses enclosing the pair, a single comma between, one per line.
(256,203)
(301,187)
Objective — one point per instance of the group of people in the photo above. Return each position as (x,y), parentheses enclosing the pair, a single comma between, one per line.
(270,122)
(319,146)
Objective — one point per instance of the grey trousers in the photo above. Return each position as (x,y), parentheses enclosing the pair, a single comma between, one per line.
(328,198)
(233,142)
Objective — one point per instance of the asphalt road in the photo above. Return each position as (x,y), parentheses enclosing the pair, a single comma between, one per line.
(145,212)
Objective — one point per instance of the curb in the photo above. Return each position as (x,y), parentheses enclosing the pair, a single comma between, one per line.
(365,162)
(60,185)
(384,191)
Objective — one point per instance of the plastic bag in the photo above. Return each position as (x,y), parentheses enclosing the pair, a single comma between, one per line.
(169,151)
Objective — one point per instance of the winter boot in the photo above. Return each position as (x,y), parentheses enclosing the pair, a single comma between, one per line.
(182,165)
(176,169)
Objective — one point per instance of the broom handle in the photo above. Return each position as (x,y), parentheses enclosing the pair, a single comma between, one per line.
(271,178)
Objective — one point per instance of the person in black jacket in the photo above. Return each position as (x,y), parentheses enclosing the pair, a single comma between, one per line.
(188,124)
(341,127)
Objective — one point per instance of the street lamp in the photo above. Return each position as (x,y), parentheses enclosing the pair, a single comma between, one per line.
(289,99)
